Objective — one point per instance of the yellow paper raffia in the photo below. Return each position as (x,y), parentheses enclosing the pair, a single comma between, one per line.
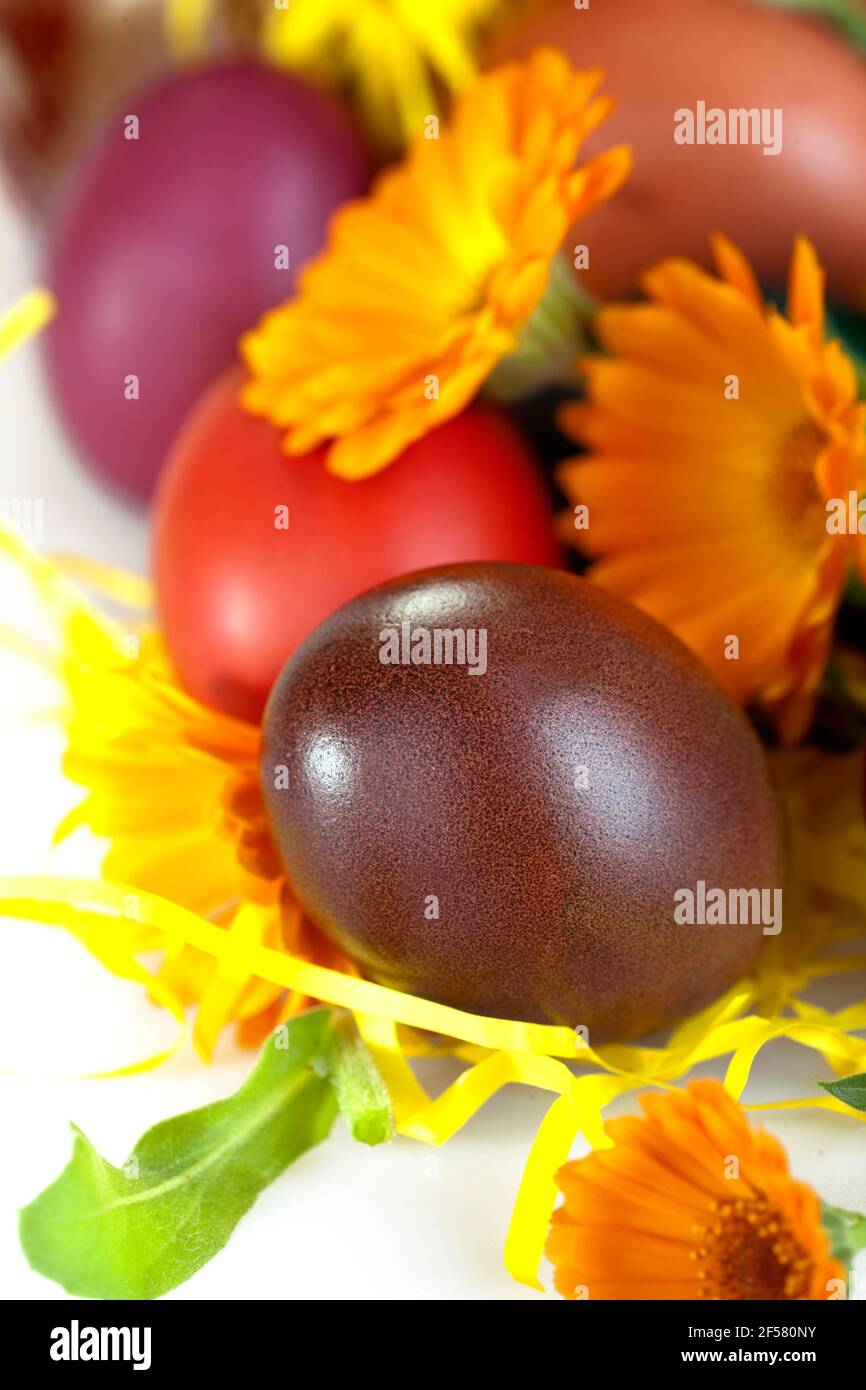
(244,959)
(32,312)
(529,1054)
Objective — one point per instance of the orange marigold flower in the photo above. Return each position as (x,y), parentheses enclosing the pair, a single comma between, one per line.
(689,1203)
(427,284)
(719,431)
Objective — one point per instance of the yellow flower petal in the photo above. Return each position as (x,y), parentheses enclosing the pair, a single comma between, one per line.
(393,55)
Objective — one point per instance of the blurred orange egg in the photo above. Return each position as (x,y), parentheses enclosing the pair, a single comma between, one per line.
(664,58)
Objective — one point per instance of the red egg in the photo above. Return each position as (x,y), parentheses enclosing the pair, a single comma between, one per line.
(664,57)
(252,548)
(190,216)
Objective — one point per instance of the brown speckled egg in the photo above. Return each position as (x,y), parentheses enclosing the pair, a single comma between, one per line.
(508,833)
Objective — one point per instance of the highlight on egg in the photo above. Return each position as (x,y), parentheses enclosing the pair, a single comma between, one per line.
(504,789)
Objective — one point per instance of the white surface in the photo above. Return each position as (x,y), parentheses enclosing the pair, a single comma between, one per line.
(345,1222)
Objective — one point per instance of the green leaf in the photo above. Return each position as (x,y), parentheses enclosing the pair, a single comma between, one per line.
(846,1231)
(361,1093)
(850,1089)
(136,1232)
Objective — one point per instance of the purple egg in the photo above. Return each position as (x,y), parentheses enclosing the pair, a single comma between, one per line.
(168,247)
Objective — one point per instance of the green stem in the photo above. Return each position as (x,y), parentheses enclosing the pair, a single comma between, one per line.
(362,1095)
(552,339)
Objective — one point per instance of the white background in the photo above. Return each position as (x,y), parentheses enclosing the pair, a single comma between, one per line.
(345,1222)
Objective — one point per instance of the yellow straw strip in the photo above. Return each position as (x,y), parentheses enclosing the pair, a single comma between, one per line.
(157,1059)
(408,1096)
(498,1051)
(71,901)
(26,318)
(117,954)
(129,590)
(29,649)
(186,24)
(36,898)
(578,1110)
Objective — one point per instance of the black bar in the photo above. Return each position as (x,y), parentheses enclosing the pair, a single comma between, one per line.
(177,1335)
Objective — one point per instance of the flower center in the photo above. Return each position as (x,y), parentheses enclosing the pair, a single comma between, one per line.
(797,499)
(751,1254)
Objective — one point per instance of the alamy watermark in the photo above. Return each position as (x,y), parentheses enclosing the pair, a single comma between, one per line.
(439,646)
(719,907)
(846,516)
(77,1343)
(23,516)
(738,125)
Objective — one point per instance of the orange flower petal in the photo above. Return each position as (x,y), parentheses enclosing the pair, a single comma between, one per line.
(433,277)
(719,432)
